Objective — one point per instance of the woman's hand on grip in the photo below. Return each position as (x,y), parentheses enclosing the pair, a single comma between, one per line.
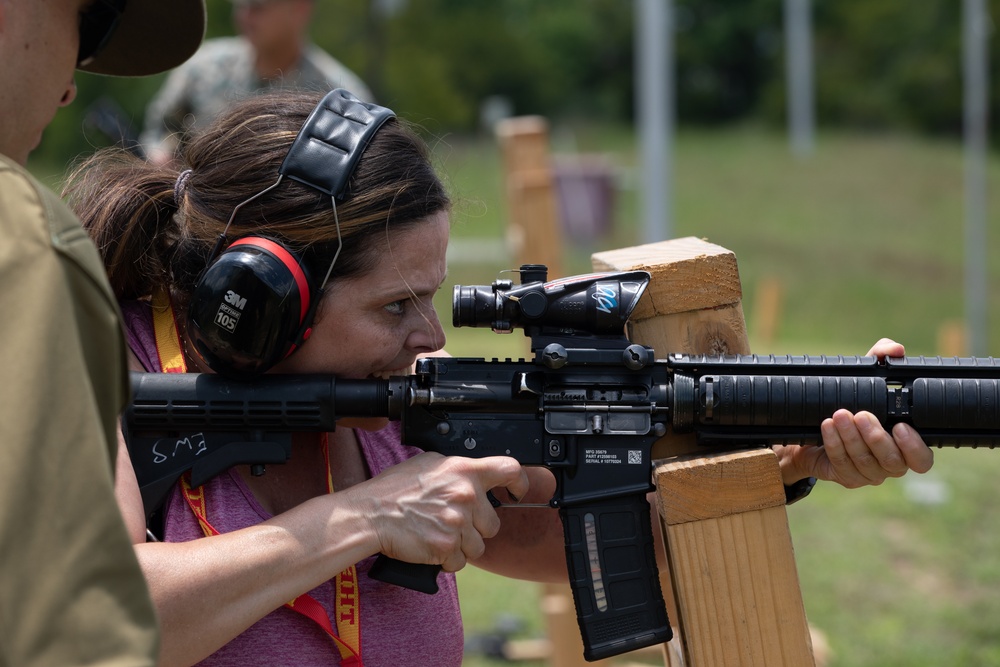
(434,509)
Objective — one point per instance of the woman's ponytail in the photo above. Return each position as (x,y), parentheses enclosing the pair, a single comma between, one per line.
(128,208)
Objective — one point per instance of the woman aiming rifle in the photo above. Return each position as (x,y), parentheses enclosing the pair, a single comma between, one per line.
(233,553)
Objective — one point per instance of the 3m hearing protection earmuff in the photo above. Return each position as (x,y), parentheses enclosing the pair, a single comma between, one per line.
(255,301)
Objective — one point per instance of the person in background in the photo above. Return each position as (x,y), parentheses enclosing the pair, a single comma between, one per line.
(272,51)
(73,593)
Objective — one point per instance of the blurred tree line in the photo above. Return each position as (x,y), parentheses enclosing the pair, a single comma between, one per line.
(880,64)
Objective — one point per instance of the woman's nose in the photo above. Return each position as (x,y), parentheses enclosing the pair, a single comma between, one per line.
(429,337)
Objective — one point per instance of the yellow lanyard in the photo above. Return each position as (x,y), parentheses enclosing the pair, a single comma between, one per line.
(347,593)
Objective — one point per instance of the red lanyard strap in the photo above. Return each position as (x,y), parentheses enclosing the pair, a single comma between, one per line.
(348,635)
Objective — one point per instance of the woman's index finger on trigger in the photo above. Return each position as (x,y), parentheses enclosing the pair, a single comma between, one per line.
(503,471)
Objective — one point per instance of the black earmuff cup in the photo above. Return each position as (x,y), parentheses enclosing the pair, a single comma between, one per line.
(246,311)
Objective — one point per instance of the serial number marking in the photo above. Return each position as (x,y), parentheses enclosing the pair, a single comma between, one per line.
(606,457)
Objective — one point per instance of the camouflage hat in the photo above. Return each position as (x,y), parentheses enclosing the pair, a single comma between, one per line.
(151,36)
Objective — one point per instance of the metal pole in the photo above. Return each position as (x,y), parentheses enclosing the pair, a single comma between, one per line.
(654,91)
(976,82)
(799,73)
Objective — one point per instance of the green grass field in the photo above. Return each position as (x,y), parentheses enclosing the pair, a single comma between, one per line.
(866,240)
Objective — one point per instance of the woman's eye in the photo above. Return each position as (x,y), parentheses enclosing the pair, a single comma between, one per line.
(396,307)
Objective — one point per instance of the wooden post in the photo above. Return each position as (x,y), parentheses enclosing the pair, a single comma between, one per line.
(533,224)
(562,628)
(767,311)
(731,566)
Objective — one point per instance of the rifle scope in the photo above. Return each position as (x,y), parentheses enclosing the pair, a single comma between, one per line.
(597,304)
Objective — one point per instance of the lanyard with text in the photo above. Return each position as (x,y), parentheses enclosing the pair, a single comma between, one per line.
(347,611)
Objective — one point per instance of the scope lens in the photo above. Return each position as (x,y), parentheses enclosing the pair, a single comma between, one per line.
(473,306)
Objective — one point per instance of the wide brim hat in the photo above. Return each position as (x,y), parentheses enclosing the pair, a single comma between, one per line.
(152,36)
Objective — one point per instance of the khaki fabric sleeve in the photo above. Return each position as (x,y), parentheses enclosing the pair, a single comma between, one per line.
(73,593)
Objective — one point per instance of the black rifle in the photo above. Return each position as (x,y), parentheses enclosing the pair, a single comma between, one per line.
(588,406)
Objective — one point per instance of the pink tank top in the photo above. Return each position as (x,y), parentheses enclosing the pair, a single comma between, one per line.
(398,626)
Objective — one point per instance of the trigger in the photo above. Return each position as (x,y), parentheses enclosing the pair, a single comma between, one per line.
(493,499)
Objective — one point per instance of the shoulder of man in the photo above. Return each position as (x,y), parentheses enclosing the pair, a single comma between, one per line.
(29,210)
(35,217)
(46,246)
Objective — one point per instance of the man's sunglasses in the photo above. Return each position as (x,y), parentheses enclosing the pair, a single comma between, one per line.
(97,23)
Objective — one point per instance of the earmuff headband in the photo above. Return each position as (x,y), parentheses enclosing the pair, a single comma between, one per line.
(331,141)
(325,153)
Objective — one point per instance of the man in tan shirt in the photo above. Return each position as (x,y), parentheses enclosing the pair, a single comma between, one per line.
(72,591)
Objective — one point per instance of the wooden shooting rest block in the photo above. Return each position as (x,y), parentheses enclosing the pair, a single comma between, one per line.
(731,585)
(736,596)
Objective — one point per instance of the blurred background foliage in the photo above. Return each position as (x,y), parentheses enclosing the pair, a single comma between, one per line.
(881,64)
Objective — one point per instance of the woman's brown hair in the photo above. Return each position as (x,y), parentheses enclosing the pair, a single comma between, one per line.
(156,228)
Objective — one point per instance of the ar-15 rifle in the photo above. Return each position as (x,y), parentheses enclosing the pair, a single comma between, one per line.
(588,406)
